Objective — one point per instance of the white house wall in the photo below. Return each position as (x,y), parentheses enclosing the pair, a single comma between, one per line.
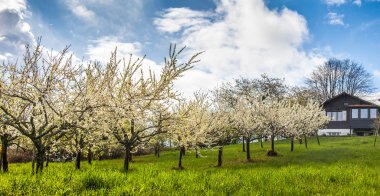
(334,132)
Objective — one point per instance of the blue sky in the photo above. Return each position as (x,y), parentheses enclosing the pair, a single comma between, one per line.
(282,38)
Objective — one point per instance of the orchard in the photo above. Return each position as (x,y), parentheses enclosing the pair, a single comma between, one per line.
(54,107)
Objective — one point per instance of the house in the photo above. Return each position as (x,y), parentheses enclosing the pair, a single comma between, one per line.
(349,115)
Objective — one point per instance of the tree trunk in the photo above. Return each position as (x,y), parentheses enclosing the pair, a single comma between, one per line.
(318,139)
(158,151)
(77,159)
(47,161)
(182,150)
(300,140)
(243,144)
(196,152)
(155,151)
(272,152)
(1,159)
(89,156)
(248,142)
(130,156)
(261,143)
(40,156)
(33,160)
(47,156)
(374,143)
(292,144)
(220,154)
(4,156)
(305,142)
(127,159)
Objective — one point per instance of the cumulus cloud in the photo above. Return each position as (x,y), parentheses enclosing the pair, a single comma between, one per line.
(243,38)
(14,31)
(17,5)
(100,50)
(335,19)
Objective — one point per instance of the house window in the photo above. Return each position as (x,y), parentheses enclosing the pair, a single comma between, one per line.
(373,113)
(363,113)
(355,113)
(342,116)
(328,114)
(337,116)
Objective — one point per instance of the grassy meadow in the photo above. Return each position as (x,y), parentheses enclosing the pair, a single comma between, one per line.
(340,166)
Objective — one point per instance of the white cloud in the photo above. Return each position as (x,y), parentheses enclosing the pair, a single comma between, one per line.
(243,38)
(341,2)
(335,19)
(357,2)
(195,80)
(176,19)
(327,52)
(335,2)
(376,73)
(101,48)
(80,10)
(6,56)
(107,17)
(17,5)
(14,31)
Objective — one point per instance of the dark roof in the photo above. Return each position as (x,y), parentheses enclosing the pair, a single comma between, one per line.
(362,106)
(367,103)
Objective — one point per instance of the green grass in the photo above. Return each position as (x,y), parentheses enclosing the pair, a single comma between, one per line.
(340,166)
